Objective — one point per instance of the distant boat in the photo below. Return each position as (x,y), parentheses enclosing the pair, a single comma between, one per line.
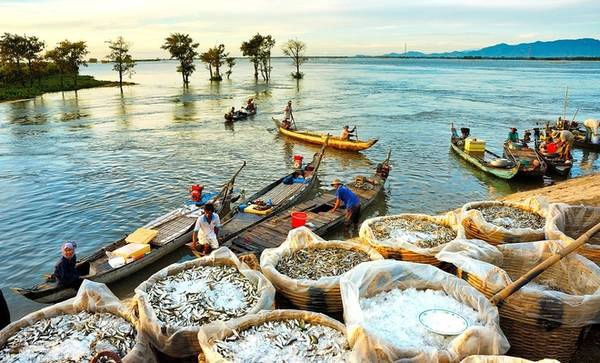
(239,115)
(320,138)
(486,160)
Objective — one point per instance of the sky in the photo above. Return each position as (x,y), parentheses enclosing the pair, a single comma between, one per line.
(328,27)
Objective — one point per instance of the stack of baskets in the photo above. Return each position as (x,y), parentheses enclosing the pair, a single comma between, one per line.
(539,322)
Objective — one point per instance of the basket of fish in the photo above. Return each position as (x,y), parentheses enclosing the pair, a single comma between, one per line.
(276,336)
(76,330)
(306,269)
(413,312)
(176,301)
(411,237)
(545,318)
(568,222)
(499,222)
(502,359)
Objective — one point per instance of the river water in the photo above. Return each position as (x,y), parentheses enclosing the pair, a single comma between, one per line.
(95,164)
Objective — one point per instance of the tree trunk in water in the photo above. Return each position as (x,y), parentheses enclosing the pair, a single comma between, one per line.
(183,77)
(217,72)
(297,68)
(210,70)
(256,70)
(121,76)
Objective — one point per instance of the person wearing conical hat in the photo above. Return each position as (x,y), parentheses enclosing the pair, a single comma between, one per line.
(350,201)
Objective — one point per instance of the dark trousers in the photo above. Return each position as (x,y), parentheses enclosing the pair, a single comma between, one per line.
(352,216)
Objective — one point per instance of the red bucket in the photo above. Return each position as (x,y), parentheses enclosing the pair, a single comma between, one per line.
(298,219)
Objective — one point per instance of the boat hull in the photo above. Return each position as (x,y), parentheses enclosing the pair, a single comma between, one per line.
(502,173)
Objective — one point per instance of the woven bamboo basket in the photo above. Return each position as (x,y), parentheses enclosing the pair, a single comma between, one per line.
(396,251)
(321,295)
(567,222)
(209,334)
(502,359)
(476,227)
(532,320)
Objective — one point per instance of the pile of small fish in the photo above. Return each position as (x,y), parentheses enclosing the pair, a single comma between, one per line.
(314,263)
(70,338)
(285,341)
(420,232)
(512,217)
(202,294)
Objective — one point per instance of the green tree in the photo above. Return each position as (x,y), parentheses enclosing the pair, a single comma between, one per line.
(251,49)
(74,56)
(183,48)
(264,57)
(119,55)
(230,63)
(295,49)
(59,58)
(12,52)
(215,57)
(33,47)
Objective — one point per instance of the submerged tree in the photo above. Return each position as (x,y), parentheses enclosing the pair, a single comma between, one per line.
(119,55)
(74,55)
(215,57)
(295,49)
(258,49)
(251,49)
(230,63)
(183,48)
(264,57)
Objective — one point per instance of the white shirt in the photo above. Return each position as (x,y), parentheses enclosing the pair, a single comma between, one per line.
(287,113)
(208,228)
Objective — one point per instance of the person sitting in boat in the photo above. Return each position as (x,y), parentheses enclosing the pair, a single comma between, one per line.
(345,195)
(206,230)
(250,105)
(65,271)
(347,133)
(229,115)
(513,135)
(548,146)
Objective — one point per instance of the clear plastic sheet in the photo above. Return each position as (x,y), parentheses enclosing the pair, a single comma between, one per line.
(477,227)
(502,359)
(91,297)
(183,341)
(450,219)
(568,222)
(568,293)
(371,278)
(318,295)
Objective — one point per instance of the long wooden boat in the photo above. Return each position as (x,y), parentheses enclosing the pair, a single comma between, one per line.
(174,230)
(531,164)
(580,142)
(272,232)
(319,139)
(555,164)
(483,160)
(281,196)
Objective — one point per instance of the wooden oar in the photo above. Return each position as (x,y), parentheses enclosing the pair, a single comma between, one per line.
(503,294)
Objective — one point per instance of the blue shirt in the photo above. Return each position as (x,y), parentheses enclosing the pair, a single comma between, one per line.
(347,196)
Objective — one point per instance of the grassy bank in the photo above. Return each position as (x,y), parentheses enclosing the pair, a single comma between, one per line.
(50,84)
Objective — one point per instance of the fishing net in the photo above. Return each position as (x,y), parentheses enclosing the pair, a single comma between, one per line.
(393,238)
(502,359)
(545,317)
(568,222)
(177,341)
(371,342)
(322,294)
(211,336)
(508,226)
(92,297)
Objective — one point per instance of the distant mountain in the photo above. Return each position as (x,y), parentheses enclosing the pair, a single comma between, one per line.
(586,47)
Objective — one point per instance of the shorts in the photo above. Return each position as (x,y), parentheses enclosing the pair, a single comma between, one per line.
(352,215)
(205,240)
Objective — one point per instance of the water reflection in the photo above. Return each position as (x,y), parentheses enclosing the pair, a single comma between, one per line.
(185,106)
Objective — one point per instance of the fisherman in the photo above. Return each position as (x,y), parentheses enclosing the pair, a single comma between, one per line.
(66,272)
(250,105)
(230,114)
(206,230)
(346,133)
(351,202)
(548,146)
(513,135)
(288,116)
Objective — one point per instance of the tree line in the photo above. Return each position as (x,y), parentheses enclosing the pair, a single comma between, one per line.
(23,60)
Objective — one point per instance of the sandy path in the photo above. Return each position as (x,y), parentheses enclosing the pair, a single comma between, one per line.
(583,190)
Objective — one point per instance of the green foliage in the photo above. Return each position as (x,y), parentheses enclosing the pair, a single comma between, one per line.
(215,57)
(230,63)
(183,48)
(119,55)
(50,83)
(258,49)
(295,50)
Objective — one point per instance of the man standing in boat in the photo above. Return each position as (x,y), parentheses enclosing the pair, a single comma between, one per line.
(206,230)
(344,195)
(288,117)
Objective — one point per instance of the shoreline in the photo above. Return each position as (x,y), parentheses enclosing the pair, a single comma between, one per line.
(579,190)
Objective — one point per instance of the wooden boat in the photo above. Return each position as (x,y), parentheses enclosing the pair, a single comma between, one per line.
(531,164)
(174,230)
(555,164)
(272,232)
(484,160)
(282,196)
(580,142)
(319,139)
(239,115)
